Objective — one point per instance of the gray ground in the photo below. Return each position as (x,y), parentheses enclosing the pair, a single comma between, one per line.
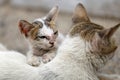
(11,37)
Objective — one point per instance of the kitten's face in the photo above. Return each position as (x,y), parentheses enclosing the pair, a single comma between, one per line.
(42,32)
(45,34)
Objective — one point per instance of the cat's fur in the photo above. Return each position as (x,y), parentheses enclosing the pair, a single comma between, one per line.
(43,37)
(80,55)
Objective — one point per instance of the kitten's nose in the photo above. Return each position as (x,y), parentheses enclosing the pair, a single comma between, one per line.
(52,43)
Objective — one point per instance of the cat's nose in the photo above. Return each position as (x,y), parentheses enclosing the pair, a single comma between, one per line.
(52,43)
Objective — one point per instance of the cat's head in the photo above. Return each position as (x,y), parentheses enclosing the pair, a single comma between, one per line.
(101,39)
(41,32)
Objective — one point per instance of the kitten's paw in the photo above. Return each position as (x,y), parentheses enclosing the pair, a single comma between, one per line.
(34,62)
(46,58)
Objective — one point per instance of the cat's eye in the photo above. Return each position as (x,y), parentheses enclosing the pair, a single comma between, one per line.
(42,37)
(35,22)
(56,32)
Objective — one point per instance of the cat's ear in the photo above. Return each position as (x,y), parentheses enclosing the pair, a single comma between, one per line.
(52,15)
(80,14)
(102,40)
(25,27)
(105,34)
(108,33)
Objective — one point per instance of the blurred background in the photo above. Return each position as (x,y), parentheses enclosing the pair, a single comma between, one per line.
(103,12)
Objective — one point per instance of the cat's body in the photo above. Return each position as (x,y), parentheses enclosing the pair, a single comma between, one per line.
(78,58)
(65,66)
(43,38)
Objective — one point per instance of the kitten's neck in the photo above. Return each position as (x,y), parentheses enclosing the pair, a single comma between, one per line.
(39,51)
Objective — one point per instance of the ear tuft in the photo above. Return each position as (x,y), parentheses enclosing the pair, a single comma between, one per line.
(53,13)
(80,14)
(25,27)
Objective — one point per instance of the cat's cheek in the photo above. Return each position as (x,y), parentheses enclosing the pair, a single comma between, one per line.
(45,43)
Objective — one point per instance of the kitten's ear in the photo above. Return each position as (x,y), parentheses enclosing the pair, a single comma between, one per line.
(80,14)
(108,33)
(25,27)
(52,15)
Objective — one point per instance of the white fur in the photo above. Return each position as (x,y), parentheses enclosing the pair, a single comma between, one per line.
(59,39)
(70,64)
(45,30)
(14,64)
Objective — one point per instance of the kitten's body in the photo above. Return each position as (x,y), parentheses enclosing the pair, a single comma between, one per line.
(43,38)
(78,57)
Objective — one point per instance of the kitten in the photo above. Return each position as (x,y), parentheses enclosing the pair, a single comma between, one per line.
(43,37)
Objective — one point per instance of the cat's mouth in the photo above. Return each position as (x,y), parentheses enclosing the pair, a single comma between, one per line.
(52,46)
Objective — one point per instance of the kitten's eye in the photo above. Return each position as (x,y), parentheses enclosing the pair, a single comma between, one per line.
(56,32)
(42,37)
(35,22)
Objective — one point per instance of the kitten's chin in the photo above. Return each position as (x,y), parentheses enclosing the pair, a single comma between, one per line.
(48,47)
(52,46)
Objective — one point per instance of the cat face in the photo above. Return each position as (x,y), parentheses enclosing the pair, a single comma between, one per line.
(100,39)
(42,32)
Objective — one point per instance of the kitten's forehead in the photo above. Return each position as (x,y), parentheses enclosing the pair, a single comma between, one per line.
(39,20)
(45,30)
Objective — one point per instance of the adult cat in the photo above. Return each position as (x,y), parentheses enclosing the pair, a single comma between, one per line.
(87,48)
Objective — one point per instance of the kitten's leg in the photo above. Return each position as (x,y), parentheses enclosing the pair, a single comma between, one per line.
(48,57)
(33,60)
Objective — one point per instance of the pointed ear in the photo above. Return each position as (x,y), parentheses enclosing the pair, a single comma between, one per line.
(108,33)
(52,15)
(80,14)
(104,45)
(25,27)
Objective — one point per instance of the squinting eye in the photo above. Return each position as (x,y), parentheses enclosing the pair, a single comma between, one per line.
(56,32)
(42,37)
